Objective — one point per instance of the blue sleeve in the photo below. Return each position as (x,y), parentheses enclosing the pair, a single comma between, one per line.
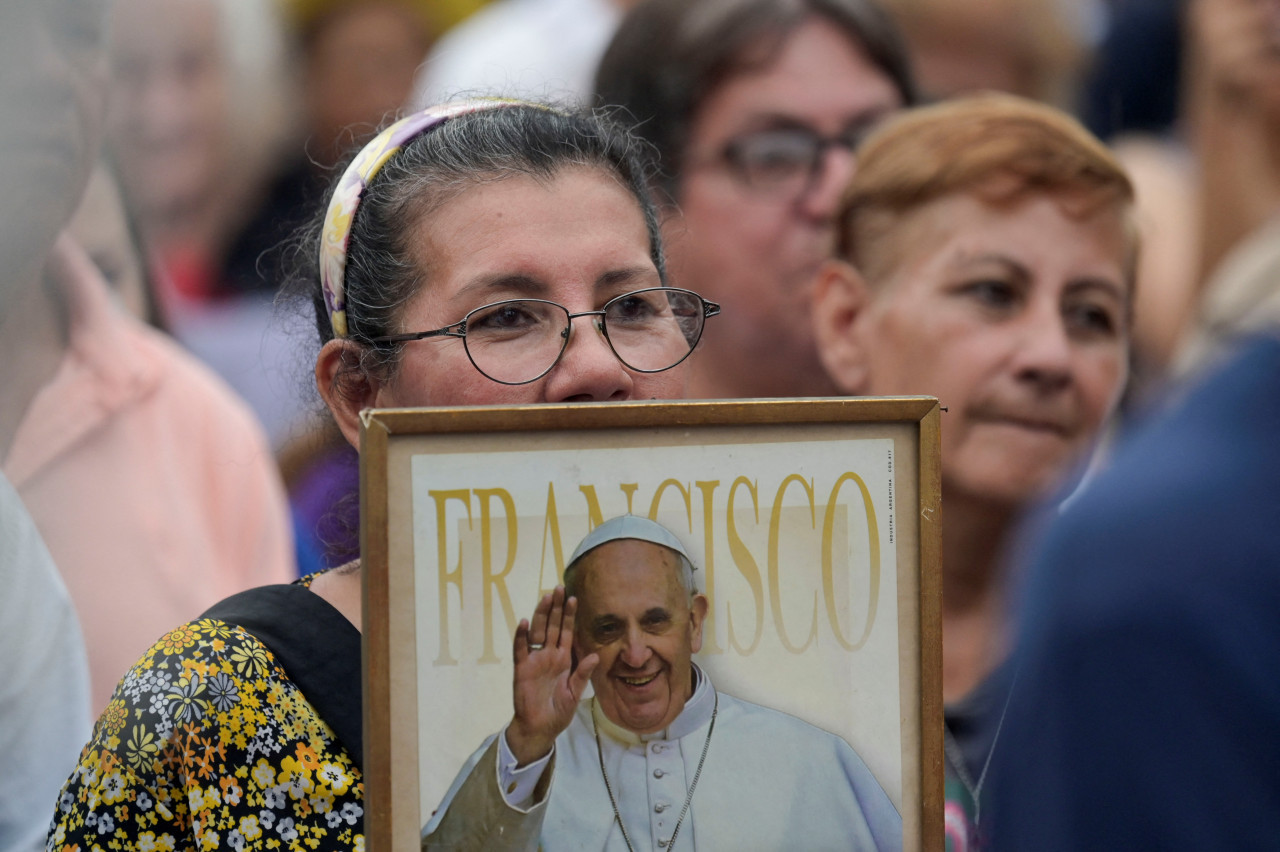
(1147,710)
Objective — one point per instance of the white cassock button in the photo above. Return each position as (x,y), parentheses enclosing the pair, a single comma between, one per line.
(660,807)
(658,773)
(663,843)
(657,748)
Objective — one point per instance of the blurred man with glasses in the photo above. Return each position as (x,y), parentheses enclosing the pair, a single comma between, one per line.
(755,107)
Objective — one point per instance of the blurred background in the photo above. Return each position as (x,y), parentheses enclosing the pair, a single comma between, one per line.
(225,119)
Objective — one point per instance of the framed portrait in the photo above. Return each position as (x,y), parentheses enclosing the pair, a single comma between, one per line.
(813,530)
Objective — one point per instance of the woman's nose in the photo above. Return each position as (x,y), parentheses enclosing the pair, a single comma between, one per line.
(1045,353)
(588,371)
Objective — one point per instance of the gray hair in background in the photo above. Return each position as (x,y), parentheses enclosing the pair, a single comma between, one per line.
(668,56)
(382,272)
(52,58)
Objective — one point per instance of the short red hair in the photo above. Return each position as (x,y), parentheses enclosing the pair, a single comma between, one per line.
(1000,147)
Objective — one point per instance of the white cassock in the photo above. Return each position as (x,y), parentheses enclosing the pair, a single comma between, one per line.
(770,782)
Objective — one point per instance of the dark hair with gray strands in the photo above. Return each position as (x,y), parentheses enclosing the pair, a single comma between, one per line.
(668,56)
(383,274)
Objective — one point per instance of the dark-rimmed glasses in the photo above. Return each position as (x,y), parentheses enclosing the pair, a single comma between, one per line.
(517,341)
(786,161)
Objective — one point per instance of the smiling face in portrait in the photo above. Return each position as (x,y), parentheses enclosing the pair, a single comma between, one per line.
(1015,315)
(579,240)
(635,614)
(756,250)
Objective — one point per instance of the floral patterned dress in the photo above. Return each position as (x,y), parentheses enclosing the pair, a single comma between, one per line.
(207,744)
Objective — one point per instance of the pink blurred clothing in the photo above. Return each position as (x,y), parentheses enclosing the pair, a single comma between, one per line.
(152,484)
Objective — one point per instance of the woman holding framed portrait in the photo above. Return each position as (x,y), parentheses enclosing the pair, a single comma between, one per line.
(478,252)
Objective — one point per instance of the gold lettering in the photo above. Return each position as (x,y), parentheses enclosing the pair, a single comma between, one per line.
(594,516)
(684,492)
(494,585)
(709,644)
(445,576)
(873,545)
(629,489)
(551,528)
(746,565)
(775,591)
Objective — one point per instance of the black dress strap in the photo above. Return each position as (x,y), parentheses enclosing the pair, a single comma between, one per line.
(315,644)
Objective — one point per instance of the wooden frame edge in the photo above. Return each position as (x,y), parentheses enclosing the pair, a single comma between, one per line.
(932,798)
(378,425)
(376,644)
(603,415)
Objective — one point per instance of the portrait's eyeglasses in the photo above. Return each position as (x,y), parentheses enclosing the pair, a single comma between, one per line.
(518,341)
(786,161)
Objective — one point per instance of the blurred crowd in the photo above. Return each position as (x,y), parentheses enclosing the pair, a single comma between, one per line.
(162,444)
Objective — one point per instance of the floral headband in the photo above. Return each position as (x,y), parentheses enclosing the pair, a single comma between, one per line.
(346,197)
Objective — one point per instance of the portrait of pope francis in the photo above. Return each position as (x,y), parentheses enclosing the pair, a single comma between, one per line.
(656,758)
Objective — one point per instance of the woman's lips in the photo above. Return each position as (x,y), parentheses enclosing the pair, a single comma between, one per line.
(1059,425)
(1035,425)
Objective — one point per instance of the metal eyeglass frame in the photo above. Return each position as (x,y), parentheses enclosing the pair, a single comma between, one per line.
(459,329)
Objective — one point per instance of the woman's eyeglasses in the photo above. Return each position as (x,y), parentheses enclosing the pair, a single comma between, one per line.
(518,341)
(786,161)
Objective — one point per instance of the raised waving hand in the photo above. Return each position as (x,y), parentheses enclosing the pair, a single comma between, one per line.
(546,685)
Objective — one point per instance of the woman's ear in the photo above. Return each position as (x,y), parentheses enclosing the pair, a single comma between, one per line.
(840,296)
(345,386)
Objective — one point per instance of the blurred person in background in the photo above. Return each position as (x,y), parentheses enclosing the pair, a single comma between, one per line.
(104,228)
(1033,48)
(197,114)
(1132,98)
(44,677)
(1147,712)
(201,108)
(1234,116)
(151,484)
(51,73)
(755,107)
(1189,91)
(988,251)
(546,49)
(357,62)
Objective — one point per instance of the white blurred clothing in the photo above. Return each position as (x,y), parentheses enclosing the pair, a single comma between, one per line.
(44,680)
(544,50)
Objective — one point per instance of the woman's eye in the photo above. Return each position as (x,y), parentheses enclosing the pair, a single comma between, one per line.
(992,293)
(631,309)
(1094,319)
(508,317)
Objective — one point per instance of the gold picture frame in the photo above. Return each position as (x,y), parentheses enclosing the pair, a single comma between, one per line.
(820,496)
